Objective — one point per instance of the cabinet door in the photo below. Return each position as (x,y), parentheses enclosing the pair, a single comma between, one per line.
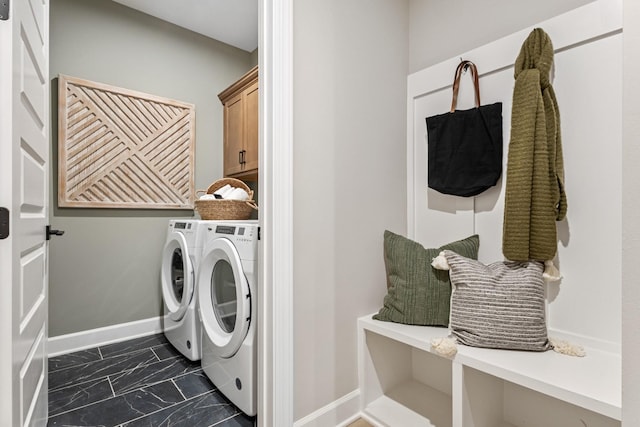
(251,127)
(233,135)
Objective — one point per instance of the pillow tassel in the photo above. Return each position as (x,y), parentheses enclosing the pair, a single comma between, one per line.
(440,262)
(551,274)
(565,347)
(445,346)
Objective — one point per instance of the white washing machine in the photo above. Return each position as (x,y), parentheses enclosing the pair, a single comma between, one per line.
(227,278)
(180,257)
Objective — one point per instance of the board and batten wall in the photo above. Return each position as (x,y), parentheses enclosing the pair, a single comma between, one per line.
(429,19)
(585,306)
(105,270)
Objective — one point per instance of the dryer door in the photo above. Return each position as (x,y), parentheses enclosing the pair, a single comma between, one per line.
(224,297)
(177,276)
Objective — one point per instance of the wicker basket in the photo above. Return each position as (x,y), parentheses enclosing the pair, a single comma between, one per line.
(225,209)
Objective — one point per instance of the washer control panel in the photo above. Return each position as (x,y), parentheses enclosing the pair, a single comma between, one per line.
(242,233)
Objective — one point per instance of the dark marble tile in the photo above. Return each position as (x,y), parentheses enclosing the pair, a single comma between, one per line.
(73,397)
(149,391)
(121,409)
(99,369)
(201,411)
(152,373)
(73,359)
(240,420)
(194,384)
(133,345)
(166,351)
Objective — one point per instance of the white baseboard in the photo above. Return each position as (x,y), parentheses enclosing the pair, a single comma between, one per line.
(340,412)
(69,343)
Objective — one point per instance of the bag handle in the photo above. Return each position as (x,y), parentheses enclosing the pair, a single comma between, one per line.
(463,66)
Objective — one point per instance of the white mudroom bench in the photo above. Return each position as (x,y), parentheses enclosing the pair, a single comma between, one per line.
(404,383)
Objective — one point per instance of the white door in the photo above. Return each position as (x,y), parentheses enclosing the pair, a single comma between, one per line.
(24,169)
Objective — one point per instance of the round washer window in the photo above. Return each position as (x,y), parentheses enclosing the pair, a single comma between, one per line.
(223,295)
(177,274)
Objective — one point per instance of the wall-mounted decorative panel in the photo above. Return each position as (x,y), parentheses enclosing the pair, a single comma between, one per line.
(120,148)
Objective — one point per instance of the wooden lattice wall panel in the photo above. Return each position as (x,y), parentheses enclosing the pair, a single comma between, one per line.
(123,149)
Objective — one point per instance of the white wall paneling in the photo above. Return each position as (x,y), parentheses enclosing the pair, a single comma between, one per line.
(588,82)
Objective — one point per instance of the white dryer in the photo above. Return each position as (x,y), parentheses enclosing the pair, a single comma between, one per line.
(227,278)
(180,256)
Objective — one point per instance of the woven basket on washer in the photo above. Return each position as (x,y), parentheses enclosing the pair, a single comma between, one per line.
(225,209)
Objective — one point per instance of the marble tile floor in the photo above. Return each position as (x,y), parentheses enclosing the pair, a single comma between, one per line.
(136,383)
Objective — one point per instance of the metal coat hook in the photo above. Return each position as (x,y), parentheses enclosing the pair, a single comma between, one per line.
(465,67)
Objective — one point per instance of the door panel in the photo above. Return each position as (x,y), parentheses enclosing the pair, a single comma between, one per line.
(33,193)
(33,379)
(32,270)
(24,69)
(234,135)
(251,127)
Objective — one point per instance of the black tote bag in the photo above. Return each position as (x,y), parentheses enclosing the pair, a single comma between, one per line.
(465,146)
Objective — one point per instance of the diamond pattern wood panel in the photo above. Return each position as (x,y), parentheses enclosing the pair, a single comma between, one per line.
(123,149)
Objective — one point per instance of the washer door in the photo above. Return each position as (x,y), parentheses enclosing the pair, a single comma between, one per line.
(177,276)
(224,297)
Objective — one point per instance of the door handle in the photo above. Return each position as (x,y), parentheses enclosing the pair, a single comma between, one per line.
(4,10)
(4,223)
(51,232)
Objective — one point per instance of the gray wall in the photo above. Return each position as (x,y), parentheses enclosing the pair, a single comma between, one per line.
(105,270)
(350,68)
(254,57)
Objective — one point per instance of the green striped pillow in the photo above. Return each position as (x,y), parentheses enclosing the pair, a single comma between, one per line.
(417,293)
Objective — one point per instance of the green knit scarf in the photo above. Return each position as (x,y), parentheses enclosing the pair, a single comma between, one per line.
(535,197)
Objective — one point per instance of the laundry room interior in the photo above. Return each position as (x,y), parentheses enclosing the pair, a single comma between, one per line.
(107,265)
(105,271)
(350,181)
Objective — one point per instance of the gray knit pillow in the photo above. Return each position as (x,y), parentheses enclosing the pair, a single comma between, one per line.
(500,305)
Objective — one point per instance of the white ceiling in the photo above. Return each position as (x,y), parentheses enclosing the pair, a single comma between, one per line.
(234,22)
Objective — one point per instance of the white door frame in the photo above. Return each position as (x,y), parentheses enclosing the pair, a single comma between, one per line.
(275,282)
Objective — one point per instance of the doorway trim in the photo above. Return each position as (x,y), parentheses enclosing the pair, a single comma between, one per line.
(275,191)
